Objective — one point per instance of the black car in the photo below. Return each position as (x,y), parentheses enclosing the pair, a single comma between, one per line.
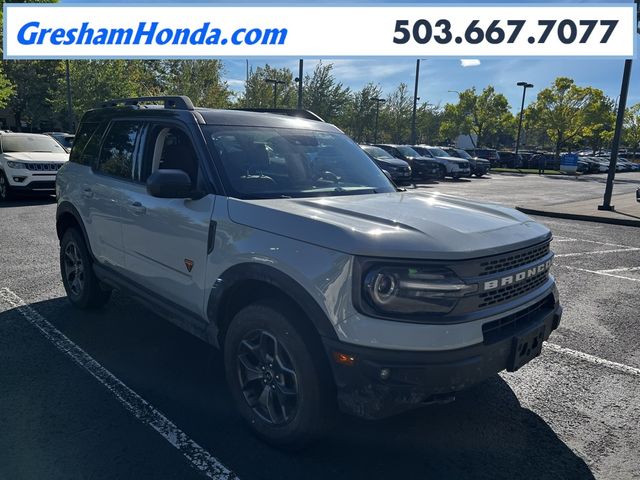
(399,170)
(421,167)
(487,153)
(479,166)
(510,159)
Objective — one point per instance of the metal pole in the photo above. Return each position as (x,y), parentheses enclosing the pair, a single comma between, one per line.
(299,80)
(524,86)
(275,94)
(415,104)
(375,130)
(622,105)
(69,104)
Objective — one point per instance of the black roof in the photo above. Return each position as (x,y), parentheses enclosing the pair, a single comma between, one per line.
(182,108)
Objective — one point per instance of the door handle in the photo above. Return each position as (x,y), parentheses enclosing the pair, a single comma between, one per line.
(138,209)
(87,192)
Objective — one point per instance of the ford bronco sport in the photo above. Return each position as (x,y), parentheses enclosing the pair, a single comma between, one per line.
(278,240)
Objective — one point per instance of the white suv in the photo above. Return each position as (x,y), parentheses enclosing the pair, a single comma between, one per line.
(29,162)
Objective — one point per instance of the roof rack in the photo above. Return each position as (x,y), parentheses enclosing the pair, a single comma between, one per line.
(177,102)
(291,112)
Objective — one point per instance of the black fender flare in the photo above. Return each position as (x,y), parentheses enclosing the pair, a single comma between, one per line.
(67,208)
(266,274)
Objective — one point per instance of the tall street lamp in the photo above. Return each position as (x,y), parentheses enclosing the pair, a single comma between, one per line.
(70,119)
(275,88)
(524,86)
(375,130)
(415,104)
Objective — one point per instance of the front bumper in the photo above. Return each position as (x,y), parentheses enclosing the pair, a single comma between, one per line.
(421,377)
(24,180)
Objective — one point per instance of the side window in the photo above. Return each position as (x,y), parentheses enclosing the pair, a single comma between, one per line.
(117,152)
(169,147)
(87,142)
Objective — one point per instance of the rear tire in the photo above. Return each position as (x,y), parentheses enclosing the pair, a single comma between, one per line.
(6,192)
(83,288)
(443,173)
(278,375)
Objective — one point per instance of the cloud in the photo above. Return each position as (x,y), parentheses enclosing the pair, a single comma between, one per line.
(469,62)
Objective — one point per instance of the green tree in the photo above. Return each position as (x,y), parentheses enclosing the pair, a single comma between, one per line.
(395,116)
(259,93)
(200,80)
(560,110)
(485,115)
(631,130)
(361,112)
(428,121)
(599,120)
(323,95)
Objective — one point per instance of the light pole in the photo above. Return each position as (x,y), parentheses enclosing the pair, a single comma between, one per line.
(375,130)
(524,86)
(299,80)
(275,88)
(69,104)
(415,104)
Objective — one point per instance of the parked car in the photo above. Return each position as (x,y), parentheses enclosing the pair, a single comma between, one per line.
(323,285)
(510,159)
(486,153)
(586,165)
(479,166)
(399,170)
(29,163)
(548,160)
(65,139)
(454,167)
(421,167)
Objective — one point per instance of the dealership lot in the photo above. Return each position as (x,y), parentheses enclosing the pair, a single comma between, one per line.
(572,413)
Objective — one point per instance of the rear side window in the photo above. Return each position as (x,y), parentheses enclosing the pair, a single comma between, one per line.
(87,143)
(117,152)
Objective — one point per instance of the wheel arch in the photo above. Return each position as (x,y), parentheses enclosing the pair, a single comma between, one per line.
(67,216)
(247,283)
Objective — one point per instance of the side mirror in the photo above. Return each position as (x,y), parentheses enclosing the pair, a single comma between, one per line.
(169,184)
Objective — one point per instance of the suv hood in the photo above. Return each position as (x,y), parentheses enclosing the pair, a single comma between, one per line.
(396,225)
(396,162)
(459,161)
(36,157)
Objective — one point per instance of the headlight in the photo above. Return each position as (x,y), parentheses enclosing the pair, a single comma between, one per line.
(406,290)
(16,165)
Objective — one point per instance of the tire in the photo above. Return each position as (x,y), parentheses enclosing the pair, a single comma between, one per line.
(6,192)
(83,288)
(443,173)
(479,175)
(278,376)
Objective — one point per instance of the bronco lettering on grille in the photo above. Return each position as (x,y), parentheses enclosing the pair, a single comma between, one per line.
(516,277)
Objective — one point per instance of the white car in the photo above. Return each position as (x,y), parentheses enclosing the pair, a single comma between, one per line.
(29,163)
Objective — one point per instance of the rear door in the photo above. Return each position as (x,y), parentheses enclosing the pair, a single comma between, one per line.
(167,240)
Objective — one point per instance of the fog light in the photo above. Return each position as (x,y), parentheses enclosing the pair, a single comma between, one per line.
(385,374)
(19,179)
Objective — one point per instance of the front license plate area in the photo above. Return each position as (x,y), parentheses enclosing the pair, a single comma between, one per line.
(526,347)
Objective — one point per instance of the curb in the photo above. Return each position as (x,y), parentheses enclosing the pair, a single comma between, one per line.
(576,216)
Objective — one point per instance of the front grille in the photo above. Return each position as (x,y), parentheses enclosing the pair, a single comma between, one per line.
(514,260)
(503,294)
(505,327)
(43,167)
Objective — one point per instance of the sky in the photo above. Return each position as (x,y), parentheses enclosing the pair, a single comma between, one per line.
(440,76)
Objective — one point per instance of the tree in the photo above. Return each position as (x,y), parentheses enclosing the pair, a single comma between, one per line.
(259,94)
(395,116)
(6,88)
(599,120)
(560,111)
(361,112)
(632,128)
(323,95)
(485,115)
(200,80)
(428,121)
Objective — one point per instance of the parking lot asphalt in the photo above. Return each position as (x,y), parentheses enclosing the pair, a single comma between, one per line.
(165,411)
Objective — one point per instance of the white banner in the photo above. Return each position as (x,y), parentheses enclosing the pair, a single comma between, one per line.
(61,31)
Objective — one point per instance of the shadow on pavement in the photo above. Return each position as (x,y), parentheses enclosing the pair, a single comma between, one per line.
(28,201)
(486,433)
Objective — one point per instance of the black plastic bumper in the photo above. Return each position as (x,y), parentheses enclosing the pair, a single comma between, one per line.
(36,186)
(419,378)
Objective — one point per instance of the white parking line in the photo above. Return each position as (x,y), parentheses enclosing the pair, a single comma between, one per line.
(620,367)
(577,254)
(621,269)
(199,458)
(600,272)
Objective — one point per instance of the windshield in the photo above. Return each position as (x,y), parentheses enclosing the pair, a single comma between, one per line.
(462,154)
(407,151)
(261,162)
(378,153)
(437,152)
(30,143)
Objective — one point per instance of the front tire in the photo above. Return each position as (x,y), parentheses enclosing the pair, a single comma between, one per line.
(82,286)
(6,192)
(278,376)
